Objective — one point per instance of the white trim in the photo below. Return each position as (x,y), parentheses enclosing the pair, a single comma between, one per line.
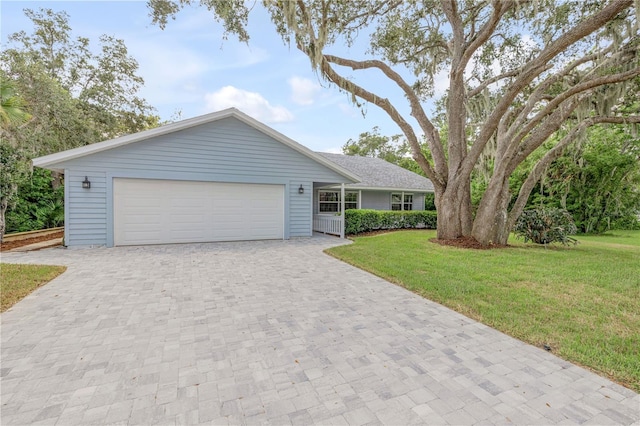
(342,197)
(50,161)
(377,188)
(340,200)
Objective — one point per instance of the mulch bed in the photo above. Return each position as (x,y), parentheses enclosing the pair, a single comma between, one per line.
(462,242)
(8,245)
(467,243)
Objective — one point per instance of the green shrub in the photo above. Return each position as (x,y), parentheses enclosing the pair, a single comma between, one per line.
(358,221)
(38,206)
(430,201)
(628,223)
(546,226)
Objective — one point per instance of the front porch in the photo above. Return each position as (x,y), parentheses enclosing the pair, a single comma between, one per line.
(329,224)
(329,219)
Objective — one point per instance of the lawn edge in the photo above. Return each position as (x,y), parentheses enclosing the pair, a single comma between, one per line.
(635,387)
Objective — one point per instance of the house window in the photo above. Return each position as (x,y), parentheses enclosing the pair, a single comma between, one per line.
(350,200)
(401,201)
(329,201)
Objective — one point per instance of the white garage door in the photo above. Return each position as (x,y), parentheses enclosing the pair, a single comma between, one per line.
(166,211)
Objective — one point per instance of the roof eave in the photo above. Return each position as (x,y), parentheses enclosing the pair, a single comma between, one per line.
(380,188)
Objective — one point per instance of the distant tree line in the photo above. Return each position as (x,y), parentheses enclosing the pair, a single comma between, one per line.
(57,94)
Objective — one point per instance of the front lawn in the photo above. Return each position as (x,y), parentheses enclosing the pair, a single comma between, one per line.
(582,301)
(20,280)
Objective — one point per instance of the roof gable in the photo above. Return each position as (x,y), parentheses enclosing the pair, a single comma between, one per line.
(376,173)
(53,161)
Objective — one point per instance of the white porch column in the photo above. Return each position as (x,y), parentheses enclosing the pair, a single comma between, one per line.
(342,210)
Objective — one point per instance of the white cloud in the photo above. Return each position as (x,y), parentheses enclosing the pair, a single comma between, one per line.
(349,110)
(251,103)
(166,84)
(441,82)
(303,90)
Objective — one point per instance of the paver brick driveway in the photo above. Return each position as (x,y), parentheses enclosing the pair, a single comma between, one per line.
(269,332)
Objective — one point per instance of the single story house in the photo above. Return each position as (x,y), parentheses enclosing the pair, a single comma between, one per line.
(382,186)
(222,176)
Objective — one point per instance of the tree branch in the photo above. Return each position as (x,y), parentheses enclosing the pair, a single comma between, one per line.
(499,9)
(386,106)
(579,88)
(450,8)
(456,105)
(374,11)
(431,133)
(540,92)
(418,52)
(534,68)
(483,85)
(542,133)
(553,154)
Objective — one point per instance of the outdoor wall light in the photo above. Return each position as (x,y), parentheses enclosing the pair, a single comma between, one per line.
(85,183)
(301,190)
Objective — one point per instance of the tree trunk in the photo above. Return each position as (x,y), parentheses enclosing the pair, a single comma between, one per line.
(491,225)
(3,208)
(56,180)
(454,212)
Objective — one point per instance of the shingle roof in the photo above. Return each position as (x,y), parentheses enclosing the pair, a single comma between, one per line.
(378,173)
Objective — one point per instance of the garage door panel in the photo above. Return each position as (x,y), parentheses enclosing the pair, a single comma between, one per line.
(160,211)
(186,203)
(264,234)
(133,220)
(179,218)
(143,205)
(183,237)
(231,235)
(228,205)
(228,219)
(140,237)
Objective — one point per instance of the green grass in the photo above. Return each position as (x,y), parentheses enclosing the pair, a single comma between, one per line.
(629,238)
(20,280)
(583,301)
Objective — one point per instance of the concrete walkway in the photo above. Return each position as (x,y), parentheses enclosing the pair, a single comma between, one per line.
(269,333)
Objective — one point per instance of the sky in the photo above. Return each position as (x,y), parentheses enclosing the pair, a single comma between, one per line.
(190,70)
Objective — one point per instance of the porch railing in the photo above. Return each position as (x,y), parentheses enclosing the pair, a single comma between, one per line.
(329,224)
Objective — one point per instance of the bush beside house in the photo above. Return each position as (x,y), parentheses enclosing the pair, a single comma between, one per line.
(364,220)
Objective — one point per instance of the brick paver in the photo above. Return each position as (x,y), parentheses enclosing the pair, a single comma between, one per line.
(269,332)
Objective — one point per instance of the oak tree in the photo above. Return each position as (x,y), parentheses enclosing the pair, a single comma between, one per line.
(75,95)
(517,72)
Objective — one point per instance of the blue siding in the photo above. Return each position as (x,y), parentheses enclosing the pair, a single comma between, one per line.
(300,209)
(376,200)
(86,209)
(226,150)
(381,200)
(418,201)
